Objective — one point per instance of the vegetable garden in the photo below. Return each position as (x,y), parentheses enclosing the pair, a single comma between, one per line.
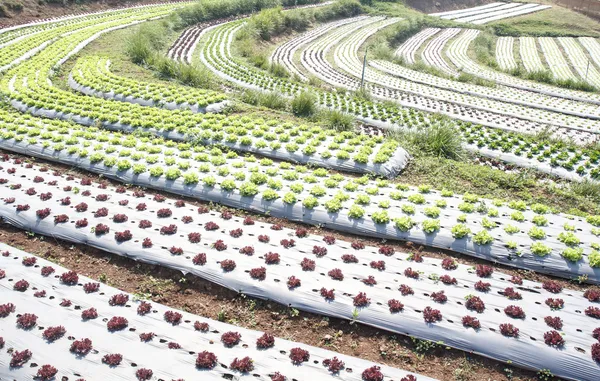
(337,197)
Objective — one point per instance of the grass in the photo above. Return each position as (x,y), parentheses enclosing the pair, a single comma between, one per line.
(304,104)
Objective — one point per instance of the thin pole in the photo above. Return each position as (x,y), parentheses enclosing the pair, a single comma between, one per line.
(362,80)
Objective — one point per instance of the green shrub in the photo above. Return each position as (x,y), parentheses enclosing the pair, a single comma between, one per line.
(304,104)
(337,120)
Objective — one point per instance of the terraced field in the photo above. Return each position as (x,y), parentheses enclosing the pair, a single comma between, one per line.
(335,198)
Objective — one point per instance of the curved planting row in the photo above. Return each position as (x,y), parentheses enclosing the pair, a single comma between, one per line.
(28,87)
(492,111)
(491,12)
(505,53)
(557,63)
(409,48)
(510,234)
(431,299)
(568,100)
(91,76)
(61,324)
(284,54)
(592,47)
(432,54)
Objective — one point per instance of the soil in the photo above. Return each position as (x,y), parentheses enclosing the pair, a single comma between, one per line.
(198,296)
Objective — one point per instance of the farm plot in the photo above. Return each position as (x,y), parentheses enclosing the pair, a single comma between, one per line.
(284,54)
(91,76)
(579,60)
(530,56)
(334,278)
(508,234)
(61,324)
(505,53)
(433,52)
(457,52)
(592,46)
(491,12)
(555,59)
(501,114)
(31,91)
(409,48)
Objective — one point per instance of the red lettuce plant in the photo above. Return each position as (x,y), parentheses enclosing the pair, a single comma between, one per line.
(119,218)
(409,377)
(179,203)
(117,323)
(194,237)
(386,250)
(328,294)
(147,243)
(173,345)
(173,317)
(81,347)
(265,341)
(482,286)
(42,213)
(45,196)
(29,261)
(511,294)
(554,322)
(199,259)
(209,226)
(124,202)
(206,360)
(410,273)
(287,243)
(448,280)
(113,359)
(484,271)
(202,327)
(372,374)
(349,258)
(230,339)
(592,294)
(236,233)
(439,297)
(515,312)
(118,300)
(141,207)
(276,227)
(259,273)
(144,308)
(88,314)
(22,208)
(301,233)
(226,215)
(2,274)
(102,212)
(81,207)
(81,223)
(168,230)
(299,355)
(46,372)
(329,239)
(319,251)
(203,209)
(293,282)
(378,265)
(357,245)
(555,304)
(552,286)
(27,321)
(593,312)
(219,245)
(247,250)
(470,321)
(334,365)
(243,365)
(405,290)
(21,285)
(66,303)
(264,238)
(369,281)
(47,270)
(144,374)
(336,274)
(248,221)
(395,305)
(596,333)
(307,264)
(30,192)
(431,315)
(554,339)
(228,265)
(415,257)
(361,300)
(123,236)
(69,278)
(102,197)
(272,258)
(516,280)
(187,219)
(159,198)
(474,303)
(101,229)
(509,330)
(596,352)
(146,336)
(40,294)
(19,358)
(176,250)
(54,333)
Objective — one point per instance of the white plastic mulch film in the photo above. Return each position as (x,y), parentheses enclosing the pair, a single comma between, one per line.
(315,273)
(170,355)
